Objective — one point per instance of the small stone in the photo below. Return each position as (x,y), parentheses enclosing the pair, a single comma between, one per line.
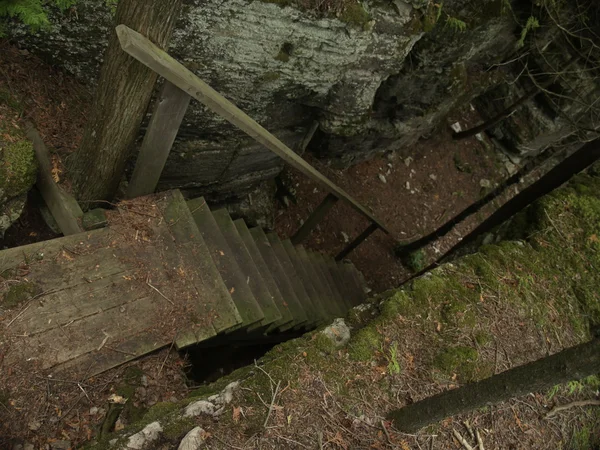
(200,407)
(338,332)
(391,156)
(93,410)
(388,172)
(193,440)
(408,185)
(34,425)
(382,178)
(346,237)
(149,434)
(433,177)
(510,168)
(456,127)
(390,165)
(173,399)
(407,161)
(485,183)
(28,446)
(315,191)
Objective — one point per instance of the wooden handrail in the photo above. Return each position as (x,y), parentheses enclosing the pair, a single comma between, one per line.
(166,66)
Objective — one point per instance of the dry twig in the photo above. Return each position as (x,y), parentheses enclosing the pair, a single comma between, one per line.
(272,404)
(462,440)
(557,409)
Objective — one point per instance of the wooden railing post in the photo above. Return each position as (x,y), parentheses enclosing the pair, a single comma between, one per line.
(171,105)
(356,242)
(313,220)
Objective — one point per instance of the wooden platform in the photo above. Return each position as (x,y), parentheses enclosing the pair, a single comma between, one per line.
(164,272)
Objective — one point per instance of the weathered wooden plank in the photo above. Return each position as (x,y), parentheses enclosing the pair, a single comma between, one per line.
(162,63)
(63,207)
(314,219)
(62,344)
(169,110)
(213,300)
(267,276)
(222,256)
(253,278)
(325,295)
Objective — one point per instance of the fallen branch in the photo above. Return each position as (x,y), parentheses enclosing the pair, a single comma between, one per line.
(479,440)
(272,404)
(557,409)
(160,293)
(462,440)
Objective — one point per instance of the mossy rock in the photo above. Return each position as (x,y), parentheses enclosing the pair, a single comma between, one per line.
(18,167)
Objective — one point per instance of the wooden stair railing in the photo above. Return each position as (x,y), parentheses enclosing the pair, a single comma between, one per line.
(181,84)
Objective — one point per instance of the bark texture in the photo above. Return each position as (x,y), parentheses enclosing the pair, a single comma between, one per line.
(571,364)
(122,96)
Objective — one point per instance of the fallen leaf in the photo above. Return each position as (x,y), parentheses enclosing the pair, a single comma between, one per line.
(114,398)
(232,290)
(593,238)
(237,410)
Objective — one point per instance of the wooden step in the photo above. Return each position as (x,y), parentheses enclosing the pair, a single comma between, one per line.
(341,282)
(335,302)
(101,298)
(253,277)
(222,256)
(283,282)
(307,281)
(295,279)
(287,320)
(340,301)
(359,282)
(325,293)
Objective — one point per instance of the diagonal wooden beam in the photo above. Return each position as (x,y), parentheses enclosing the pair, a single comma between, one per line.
(166,66)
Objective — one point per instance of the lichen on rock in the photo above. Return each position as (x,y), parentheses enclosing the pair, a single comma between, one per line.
(18,169)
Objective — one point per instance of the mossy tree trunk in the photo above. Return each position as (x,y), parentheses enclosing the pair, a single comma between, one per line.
(571,364)
(122,96)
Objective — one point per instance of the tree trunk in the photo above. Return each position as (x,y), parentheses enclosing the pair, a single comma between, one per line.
(571,364)
(122,96)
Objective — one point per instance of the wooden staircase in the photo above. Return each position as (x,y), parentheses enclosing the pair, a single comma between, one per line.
(163,272)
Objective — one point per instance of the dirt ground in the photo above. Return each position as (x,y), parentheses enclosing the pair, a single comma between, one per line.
(441,178)
(424,186)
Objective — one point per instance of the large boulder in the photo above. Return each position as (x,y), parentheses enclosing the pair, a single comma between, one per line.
(18,169)
(287,67)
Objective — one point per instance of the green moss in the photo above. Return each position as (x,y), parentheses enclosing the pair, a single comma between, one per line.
(178,428)
(324,343)
(363,345)
(482,337)
(18,293)
(18,167)
(415,261)
(354,14)
(458,313)
(459,360)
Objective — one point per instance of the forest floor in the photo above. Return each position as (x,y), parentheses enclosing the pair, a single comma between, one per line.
(441,178)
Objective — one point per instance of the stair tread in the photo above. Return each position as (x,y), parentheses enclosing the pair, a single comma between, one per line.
(359,280)
(253,278)
(283,283)
(307,280)
(356,292)
(325,291)
(295,279)
(337,301)
(248,308)
(339,281)
(209,281)
(287,320)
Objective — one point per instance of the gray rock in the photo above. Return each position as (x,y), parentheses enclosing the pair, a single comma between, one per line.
(354,79)
(144,439)
(199,407)
(382,178)
(484,183)
(338,333)
(193,440)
